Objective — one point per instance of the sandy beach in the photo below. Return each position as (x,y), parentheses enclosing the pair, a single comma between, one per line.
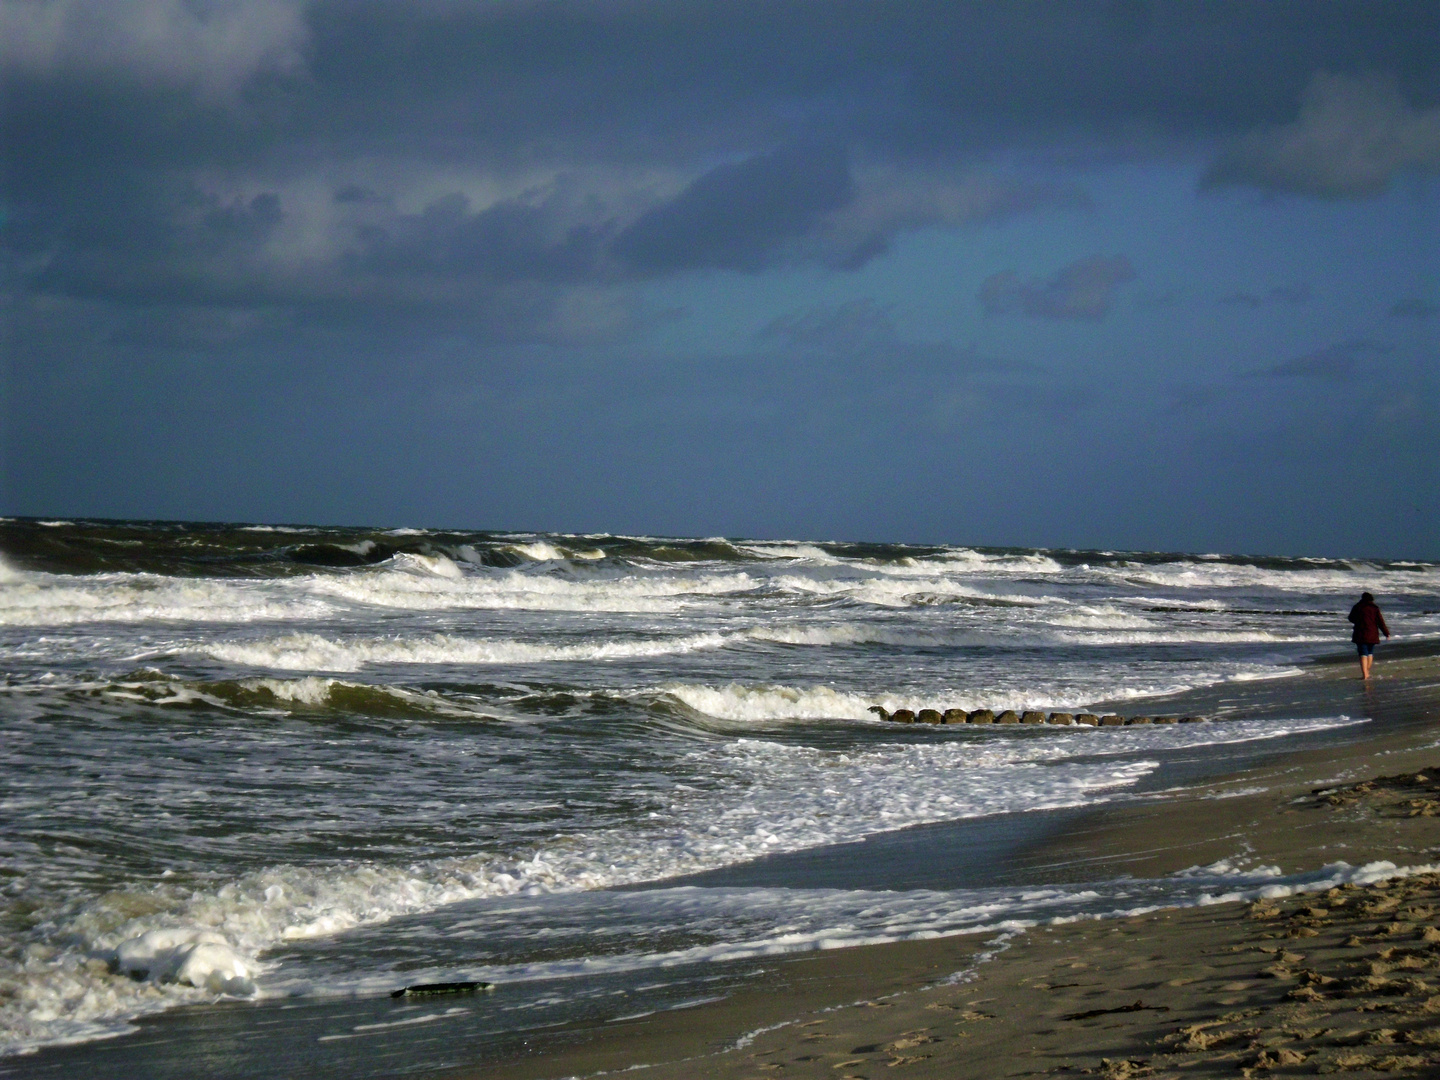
(1338,979)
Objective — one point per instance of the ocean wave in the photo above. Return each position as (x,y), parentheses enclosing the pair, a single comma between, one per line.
(967,560)
(273,550)
(1339,578)
(858,633)
(405,582)
(776,798)
(544,551)
(1087,617)
(901,592)
(314,652)
(788,550)
(420,583)
(768,797)
(438,565)
(41,599)
(1187,636)
(758,703)
(308,694)
(551,574)
(762,703)
(1173,603)
(400,587)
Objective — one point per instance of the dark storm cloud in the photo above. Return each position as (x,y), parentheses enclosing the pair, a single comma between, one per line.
(516,164)
(1085,289)
(505,241)
(734,216)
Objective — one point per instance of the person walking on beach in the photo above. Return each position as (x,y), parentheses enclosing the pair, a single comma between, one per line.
(1369,625)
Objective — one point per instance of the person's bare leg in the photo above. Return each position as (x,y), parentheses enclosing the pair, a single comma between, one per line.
(1365,662)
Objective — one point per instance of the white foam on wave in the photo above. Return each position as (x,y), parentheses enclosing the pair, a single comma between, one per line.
(328,693)
(190,957)
(774,798)
(752,703)
(311,690)
(155,688)
(969,560)
(439,565)
(856,633)
(1173,602)
(766,797)
(901,592)
(314,652)
(262,694)
(543,551)
(406,582)
(789,550)
(1100,617)
(742,703)
(807,920)
(553,580)
(1335,578)
(636,593)
(1187,635)
(539,550)
(41,599)
(760,703)
(1256,674)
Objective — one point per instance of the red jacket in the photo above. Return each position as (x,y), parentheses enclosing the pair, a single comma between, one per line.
(1368,623)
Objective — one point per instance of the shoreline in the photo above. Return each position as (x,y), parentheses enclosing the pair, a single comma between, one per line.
(1228,788)
(884,998)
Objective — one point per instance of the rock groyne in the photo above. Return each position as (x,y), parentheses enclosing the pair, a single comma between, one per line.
(1026,716)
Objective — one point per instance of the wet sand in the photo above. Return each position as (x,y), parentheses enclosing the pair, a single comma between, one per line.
(1343,981)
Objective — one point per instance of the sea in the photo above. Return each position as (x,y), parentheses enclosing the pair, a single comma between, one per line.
(262,767)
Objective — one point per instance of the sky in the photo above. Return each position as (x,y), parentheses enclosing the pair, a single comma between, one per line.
(1127,275)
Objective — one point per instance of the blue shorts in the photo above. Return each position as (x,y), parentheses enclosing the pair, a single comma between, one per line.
(1363,649)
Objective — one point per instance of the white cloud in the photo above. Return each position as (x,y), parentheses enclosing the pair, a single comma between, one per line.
(1353,135)
(1083,290)
(210,46)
